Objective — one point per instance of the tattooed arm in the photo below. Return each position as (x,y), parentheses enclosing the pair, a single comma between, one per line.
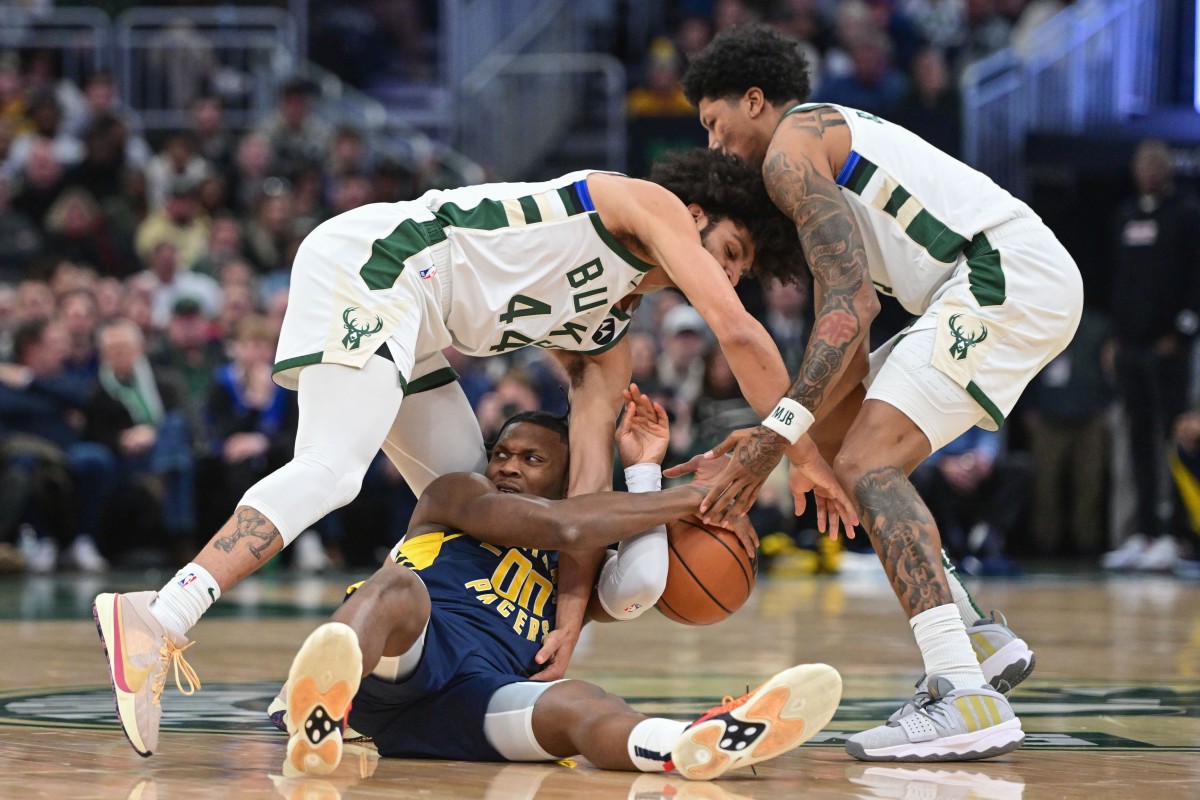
(799,178)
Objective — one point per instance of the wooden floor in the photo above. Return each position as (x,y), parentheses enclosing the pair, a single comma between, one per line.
(1113,709)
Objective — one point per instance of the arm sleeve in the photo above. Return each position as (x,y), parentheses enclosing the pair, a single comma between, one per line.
(633,578)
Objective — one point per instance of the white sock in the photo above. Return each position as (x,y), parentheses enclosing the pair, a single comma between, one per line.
(945,647)
(651,742)
(185,598)
(967,609)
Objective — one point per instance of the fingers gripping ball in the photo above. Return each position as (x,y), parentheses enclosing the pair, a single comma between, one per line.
(709,574)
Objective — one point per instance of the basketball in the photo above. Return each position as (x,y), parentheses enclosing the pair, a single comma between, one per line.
(709,573)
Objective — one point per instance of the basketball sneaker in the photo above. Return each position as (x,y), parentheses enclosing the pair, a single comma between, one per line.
(954,725)
(277,713)
(321,683)
(778,716)
(140,653)
(1004,658)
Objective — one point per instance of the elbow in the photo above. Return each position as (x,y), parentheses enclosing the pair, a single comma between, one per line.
(868,306)
(566,535)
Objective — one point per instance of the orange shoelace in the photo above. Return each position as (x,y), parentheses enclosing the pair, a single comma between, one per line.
(170,655)
(728,703)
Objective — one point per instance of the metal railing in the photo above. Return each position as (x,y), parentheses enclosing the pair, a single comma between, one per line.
(169,56)
(81,37)
(525,108)
(1091,65)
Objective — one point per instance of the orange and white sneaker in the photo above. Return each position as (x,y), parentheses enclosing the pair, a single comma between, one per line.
(140,652)
(321,683)
(782,714)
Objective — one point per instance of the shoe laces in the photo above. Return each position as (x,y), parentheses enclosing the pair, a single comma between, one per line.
(728,703)
(170,655)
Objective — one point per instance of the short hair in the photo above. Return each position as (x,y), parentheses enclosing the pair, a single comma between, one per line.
(745,56)
(28,334)
(558,423)
(728,188)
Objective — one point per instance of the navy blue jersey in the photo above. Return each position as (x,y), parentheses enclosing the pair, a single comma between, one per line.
(503,598)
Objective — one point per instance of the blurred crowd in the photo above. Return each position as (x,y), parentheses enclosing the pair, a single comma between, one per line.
(143,280)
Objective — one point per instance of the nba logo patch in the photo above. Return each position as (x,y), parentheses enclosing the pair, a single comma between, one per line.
(186,579)
(428,272)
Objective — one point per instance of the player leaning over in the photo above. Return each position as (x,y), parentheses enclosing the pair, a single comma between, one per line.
(379,291)
(444,635)
(996,296)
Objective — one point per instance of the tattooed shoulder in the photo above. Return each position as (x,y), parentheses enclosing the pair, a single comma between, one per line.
(816,121)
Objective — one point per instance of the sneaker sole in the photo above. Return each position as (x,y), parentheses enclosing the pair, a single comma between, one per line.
(321,683)
(790,708)
(987,743)
(103,613)
(1011,664)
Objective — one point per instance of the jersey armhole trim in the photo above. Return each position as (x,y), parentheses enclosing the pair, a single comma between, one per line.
(618,248)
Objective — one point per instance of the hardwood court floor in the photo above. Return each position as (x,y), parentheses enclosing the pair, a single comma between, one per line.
(1113,710)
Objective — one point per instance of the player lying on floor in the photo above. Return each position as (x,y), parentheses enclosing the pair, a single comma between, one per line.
(444,637)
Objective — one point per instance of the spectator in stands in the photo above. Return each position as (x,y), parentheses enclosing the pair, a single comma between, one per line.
(297,136)
(184,57)
(169,283)
(1067,405)
(349,154)
(80,319)
(1156,316)
(213,141)
(720,409)
(253,166)
(40,180)
(659,93)
(101,99)
(250,422)
(102,169)
(179,222)
(20,238)
(76,230)
(176,163)
(787,321)
(515,393)
(907,40)
(931,108)
(190,348)
(35,300)
(225,244)
(351,190)
(270,231)
(45,119)
(978,493)
(685,342)
(41,415)
(136,412)
(12,94)
(873,84)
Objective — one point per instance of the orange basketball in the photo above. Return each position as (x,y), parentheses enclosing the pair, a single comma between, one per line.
(709,576)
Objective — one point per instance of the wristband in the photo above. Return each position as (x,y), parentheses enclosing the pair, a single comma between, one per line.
(643,477)
(789,419)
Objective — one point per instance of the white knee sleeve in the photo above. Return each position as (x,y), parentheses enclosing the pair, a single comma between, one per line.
(345,413)
(633,579)
(435,433)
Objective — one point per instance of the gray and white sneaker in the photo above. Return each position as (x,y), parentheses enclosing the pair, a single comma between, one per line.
(1004,657)
(954,725)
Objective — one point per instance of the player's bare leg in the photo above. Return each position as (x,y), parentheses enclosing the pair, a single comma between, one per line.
(881,449)
(574,717)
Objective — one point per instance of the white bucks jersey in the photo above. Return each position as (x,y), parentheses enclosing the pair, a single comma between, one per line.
(533,265)
(919,211)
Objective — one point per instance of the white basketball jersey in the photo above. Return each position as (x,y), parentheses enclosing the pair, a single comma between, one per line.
(533,265)
(917,208)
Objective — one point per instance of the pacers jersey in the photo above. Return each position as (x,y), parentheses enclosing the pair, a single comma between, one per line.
(503,597)
(533,265)
(917,208)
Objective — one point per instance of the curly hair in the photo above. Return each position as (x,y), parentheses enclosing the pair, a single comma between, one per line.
(728,188)
(745,56)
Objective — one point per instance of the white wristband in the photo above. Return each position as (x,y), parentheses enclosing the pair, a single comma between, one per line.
(789,419)
(643,477)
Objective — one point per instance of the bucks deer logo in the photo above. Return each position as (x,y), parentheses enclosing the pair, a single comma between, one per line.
(964,341)
(355,333)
